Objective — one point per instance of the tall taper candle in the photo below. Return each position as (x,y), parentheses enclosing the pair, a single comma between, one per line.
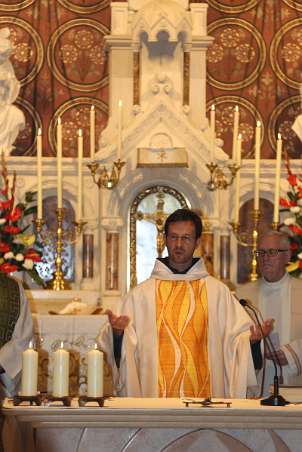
(277,180)
(257,165)
(119,125)
(59,163)
(235,133)
(92,132)
(95,373)
(29,381)
(80,176)
(39,174)
(60,373)
(237,187)
(213,131)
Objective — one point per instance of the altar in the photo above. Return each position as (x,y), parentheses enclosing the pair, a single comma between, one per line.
(128,424)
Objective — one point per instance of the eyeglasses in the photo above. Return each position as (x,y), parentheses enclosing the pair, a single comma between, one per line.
(182,238)
(271,252)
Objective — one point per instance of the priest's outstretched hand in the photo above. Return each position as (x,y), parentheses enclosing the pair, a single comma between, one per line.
(118,323)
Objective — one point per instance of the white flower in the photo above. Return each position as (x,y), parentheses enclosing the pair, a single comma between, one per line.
(289,221)
(300,202)
(295,209)
(8,255)
(2,221)
(300,255)
(28,264)
(19,257)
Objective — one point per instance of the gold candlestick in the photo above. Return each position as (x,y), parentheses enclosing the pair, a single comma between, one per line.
(275,226)
(39,222)
(58,282)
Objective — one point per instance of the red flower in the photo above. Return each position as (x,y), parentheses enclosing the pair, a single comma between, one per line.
(300,264)
(33,255)
(15,215)
(296,229)
(292,179)
(11,229)
(294,246)
(4,247)
(6,204)
(286,203)
(8,268)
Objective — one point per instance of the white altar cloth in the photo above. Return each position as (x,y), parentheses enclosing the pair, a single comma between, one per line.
(129,424)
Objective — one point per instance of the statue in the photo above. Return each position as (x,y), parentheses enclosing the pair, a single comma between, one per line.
(12,119)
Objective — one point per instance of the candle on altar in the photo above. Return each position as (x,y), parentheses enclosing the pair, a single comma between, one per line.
(29,381)
(95,360)
(257,165)
(213,131)
(277,180)
(39,174)
(237,186)
(80,175)
(60,372)
(59,164)
(92,132)
(235,132)
(120,117)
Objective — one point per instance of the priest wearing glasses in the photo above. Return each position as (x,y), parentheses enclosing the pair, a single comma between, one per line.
(278,296)
(181,332)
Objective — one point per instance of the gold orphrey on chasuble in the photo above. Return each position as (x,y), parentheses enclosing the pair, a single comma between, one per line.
(182,328)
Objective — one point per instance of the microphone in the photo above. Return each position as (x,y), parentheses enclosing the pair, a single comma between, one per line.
(275,399)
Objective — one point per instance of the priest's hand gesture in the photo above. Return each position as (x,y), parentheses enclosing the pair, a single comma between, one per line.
(257,334)
(118,323)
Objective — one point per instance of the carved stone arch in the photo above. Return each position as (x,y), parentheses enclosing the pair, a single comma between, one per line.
(134,216)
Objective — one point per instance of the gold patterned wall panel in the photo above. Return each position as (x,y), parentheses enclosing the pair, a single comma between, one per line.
(58,57)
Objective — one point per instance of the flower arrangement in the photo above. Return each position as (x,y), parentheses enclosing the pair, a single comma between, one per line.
(19,249)
(293,205)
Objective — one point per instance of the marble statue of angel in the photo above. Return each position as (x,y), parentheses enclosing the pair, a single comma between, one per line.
(12,119)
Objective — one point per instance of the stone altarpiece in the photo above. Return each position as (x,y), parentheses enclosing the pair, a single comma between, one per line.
(157,68)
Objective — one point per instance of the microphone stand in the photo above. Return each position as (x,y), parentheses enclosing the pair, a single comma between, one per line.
(275,399)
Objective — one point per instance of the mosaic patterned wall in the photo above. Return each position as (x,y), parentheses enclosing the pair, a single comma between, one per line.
(255,62)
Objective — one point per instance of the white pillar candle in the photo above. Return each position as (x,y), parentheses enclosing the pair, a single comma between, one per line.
(60,373)
(39,174)
(59,164)
(29,381)
(277,180)
(257,165)
(95,373)
(213,131)
(80,175)
(237,186)
(235,132)
(119,126)
(92,132)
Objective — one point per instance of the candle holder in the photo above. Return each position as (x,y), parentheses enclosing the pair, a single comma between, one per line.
(58,282)
(83,400)
(219,179)
(66,400)
(106,178)
(275,226)
(33,400)
(38,223)
(249,240)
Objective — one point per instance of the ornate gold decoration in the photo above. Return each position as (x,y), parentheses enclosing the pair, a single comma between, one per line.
(233,9)
(36,67)
(86,9)
(278,40)
(249,241)
(136,78)
(248,79)
(17,7)
(133,218)
(106,179)
(58,282)
(55,38)
(293,4)
(186,79)
(219,180)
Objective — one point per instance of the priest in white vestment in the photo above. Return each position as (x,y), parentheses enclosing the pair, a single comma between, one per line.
(278,296)
(16,331)
(183,333)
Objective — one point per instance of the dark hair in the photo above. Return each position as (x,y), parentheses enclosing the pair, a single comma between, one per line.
(184,215)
